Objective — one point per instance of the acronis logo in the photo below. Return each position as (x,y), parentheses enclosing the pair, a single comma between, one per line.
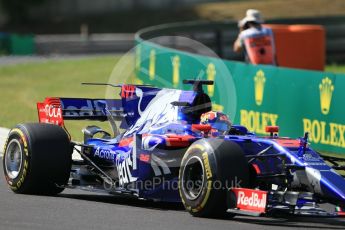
(105,154)
(326,91)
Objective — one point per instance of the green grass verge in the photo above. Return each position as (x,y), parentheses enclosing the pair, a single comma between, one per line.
(270,9)
(25,84)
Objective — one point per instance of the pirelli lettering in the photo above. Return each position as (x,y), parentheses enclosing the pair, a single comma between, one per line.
(207,165)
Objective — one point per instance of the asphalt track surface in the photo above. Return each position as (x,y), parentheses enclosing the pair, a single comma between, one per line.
(75,209)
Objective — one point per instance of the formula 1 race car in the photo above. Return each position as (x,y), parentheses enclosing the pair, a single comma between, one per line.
(172,148)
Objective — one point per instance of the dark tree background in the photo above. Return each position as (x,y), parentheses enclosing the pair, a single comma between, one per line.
(18,10)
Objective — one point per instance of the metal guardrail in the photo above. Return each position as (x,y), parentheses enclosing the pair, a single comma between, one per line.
(218,36)
(78,44)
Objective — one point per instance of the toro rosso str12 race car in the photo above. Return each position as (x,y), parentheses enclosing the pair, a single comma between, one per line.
(167,145)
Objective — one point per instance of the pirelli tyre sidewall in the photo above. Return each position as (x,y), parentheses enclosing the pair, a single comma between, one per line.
(223,166)
(45,154)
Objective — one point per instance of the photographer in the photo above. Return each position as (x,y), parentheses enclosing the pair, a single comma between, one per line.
(255,40)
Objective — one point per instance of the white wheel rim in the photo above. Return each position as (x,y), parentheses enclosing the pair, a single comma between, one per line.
(13,159)
(193,194)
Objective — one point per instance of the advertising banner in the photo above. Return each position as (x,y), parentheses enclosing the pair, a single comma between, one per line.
(296,100)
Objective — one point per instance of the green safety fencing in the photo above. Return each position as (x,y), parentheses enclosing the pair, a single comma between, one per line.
(22,44)
(296,100)
(14,44)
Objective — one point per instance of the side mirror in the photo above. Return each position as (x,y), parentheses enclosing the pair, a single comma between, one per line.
(272,130)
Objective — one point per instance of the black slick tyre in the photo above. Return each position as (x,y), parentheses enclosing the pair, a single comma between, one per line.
(37,159)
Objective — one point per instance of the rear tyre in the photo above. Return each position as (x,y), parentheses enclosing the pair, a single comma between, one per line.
(209,168)
(37,159)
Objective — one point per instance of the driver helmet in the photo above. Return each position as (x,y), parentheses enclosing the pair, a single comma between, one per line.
(219,122)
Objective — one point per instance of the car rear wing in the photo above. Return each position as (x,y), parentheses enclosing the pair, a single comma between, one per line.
(55,110)
(128,108)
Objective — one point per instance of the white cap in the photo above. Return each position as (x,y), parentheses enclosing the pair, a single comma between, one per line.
(252,15)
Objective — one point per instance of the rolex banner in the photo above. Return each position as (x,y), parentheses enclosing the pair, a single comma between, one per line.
(297,101)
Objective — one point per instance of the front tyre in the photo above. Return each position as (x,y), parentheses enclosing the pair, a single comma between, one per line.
(209,168)
(37,159)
